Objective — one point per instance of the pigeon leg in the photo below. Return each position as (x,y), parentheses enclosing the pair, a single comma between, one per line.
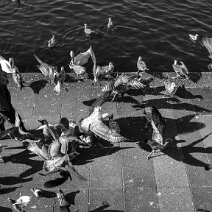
(114,97)
(152,152)
(75,172)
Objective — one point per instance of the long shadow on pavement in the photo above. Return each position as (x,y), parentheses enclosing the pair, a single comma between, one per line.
(8,190)
(4,209)
(24,158)
(167,103)
(87,155)
(132,128)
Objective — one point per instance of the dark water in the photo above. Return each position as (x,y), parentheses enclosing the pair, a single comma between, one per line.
(155,29)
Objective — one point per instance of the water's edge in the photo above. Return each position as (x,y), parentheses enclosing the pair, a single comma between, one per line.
(197,80)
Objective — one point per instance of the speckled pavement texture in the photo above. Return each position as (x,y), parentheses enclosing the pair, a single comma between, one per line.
(120,178)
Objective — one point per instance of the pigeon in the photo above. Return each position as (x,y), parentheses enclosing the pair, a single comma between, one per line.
(87,30)
(154,117)
(193,37)
(122,84)
(113,124)
(156,129)
(141,65)
(37,192)
(64,205)
(110,23)
(82,58)
(170,87)
(78,70)
(101,71)
(17,78)
(59,79)
(207,42)
(7,66)
(180,70)
(19,204)
(54,159)
(93,124)
(47,70)
(52,41)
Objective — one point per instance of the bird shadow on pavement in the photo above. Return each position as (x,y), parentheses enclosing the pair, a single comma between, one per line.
(102,209)
(8,190)
(182,92)
(5,209)
(70,197)
(24,158)
(87,155)
(195,76)
(127,99)
(70,79)
(57,181)
(184,153)
(202,210)
(11,180)
(132,127)
(48,194)
(168,103)
(36,86)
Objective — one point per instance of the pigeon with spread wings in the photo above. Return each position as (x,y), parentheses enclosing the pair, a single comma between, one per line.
(7,66)
(156,129)
(207,42)
(55,160)
(46,69)
(94,124)
(122,84)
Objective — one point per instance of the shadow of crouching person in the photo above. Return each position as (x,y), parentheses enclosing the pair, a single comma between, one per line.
(6,109)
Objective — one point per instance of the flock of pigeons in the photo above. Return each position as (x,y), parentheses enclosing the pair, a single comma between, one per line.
(57,144)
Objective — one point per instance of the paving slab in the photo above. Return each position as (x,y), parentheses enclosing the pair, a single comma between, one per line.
(107,200)
(176,199)
(141,199)
(202,198)
(110,165)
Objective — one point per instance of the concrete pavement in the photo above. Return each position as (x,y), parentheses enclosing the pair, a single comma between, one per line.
(120,179)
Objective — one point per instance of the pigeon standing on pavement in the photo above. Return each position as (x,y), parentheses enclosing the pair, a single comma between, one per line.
(141,65)
(64,205)
(37,192)
(180,70)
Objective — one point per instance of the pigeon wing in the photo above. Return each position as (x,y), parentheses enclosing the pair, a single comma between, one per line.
(104,132)
(177,69)
(121,80)
(135,84)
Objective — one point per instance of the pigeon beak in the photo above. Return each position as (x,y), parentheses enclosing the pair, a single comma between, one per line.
(41,121)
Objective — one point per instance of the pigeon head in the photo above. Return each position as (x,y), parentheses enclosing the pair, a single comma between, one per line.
(43,121)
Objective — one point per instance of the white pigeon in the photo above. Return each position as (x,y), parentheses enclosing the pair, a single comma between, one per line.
(7,66)
(193,37)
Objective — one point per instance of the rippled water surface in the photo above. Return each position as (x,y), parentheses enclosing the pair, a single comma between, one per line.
(155,29)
